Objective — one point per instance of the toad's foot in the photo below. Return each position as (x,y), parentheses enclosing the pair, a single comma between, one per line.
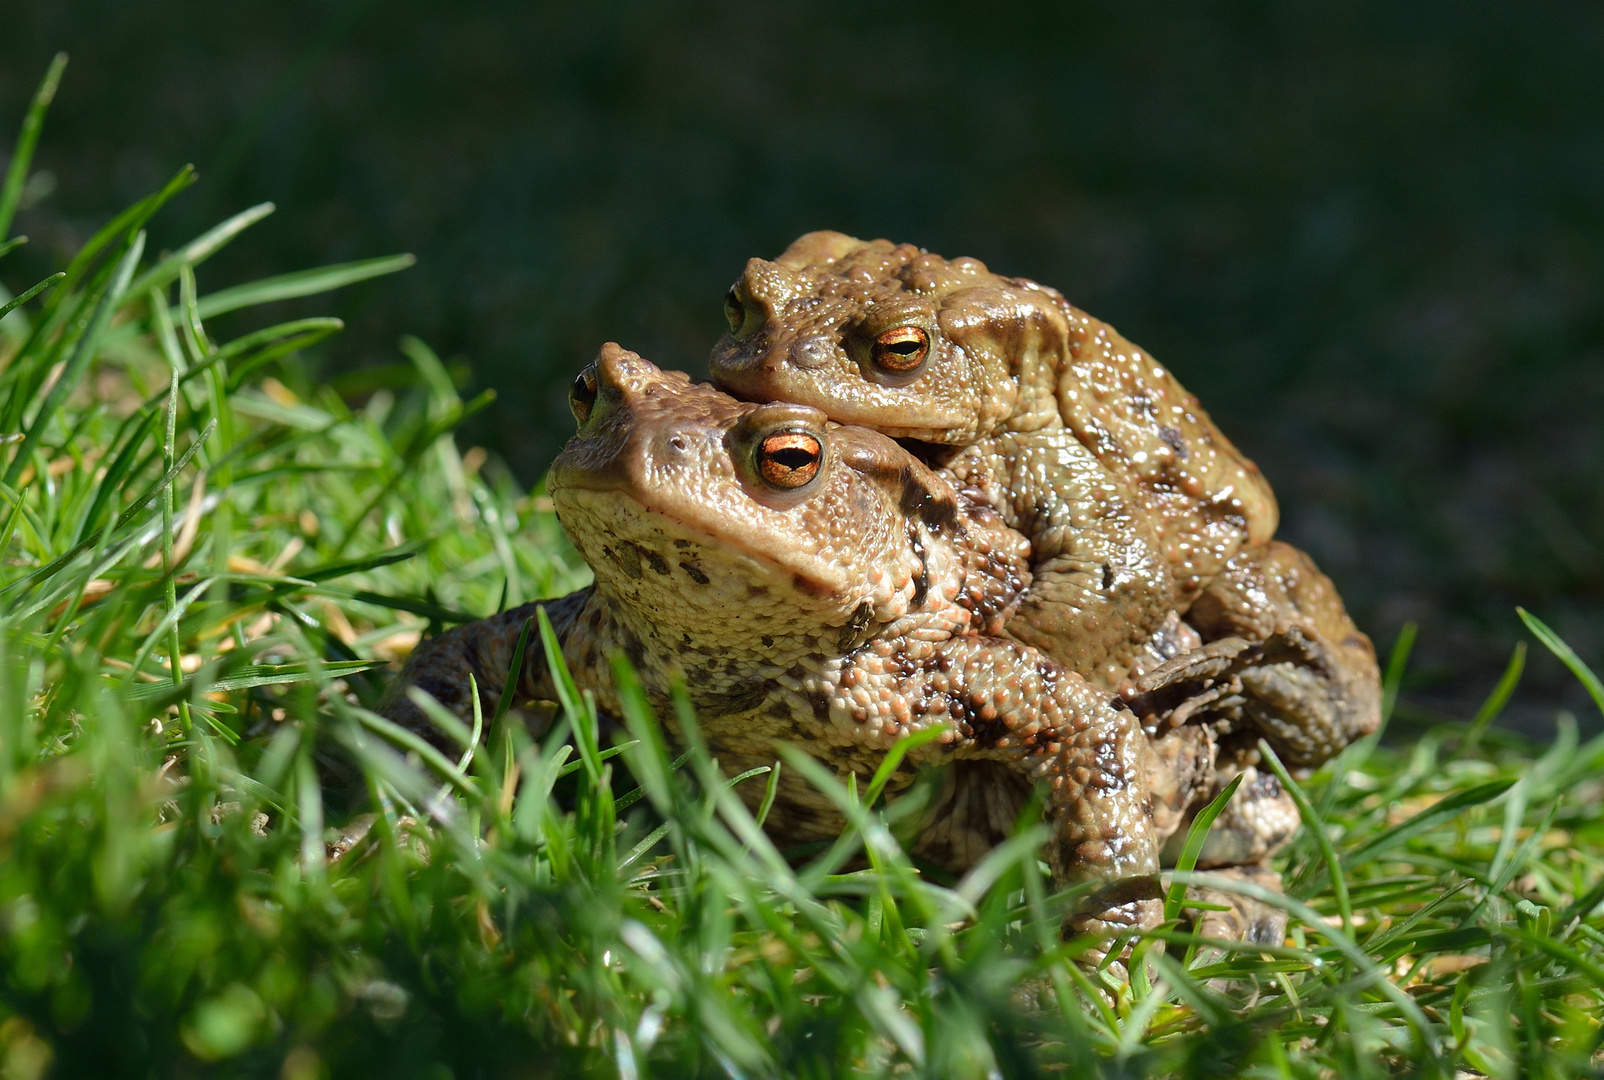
(1245,919)
(1281,655)
(1233,917)
(1182,765)
(1114,915)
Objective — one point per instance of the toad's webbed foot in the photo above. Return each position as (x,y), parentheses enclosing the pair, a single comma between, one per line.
(1255,824)
(1280,654)
(1120,908)
(1243,919)
(1202,682)
(1258,821)
(1100,578)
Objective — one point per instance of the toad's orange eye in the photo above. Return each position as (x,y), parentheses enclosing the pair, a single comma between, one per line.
(789,459)
(582,394)
(902,349)
(734,310)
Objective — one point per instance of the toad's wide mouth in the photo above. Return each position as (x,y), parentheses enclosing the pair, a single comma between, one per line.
(620,535)
(589,464)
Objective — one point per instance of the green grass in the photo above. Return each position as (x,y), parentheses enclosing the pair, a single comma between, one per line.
(205,559)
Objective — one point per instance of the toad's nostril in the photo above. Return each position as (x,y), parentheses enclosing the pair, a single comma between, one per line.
(677,442)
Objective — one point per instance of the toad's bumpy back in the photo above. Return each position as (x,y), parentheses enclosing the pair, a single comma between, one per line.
(1139,421)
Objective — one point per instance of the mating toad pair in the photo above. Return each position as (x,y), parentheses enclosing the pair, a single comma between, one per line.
(943,498)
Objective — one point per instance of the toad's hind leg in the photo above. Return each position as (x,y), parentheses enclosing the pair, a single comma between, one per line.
(483,649)
(1281,653)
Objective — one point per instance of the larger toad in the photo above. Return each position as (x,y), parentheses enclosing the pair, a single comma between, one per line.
(1137,507)
(816,585)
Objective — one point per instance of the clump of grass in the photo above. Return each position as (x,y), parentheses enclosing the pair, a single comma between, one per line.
(214,859)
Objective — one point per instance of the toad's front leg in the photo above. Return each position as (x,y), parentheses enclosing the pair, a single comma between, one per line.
(1010,703)
(483,649)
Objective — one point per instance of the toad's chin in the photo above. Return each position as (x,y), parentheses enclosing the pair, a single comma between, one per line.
(662,572)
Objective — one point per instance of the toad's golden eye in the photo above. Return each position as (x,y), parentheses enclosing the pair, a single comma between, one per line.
(789,459)
(902,349)
(582,394)
(734,310)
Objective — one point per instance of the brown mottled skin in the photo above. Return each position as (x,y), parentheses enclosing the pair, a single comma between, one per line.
(1136,506)
(836,615)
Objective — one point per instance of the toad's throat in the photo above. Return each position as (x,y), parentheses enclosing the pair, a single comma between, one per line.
(648,557)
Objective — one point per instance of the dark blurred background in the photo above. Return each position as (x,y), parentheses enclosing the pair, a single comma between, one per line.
(1369,235)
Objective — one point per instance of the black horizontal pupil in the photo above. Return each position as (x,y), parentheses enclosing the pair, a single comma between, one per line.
(906,347)
(792,457)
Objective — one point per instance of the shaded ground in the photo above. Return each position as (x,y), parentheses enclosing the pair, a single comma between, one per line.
(1370,238)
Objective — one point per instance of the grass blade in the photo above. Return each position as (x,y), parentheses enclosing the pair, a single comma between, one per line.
(1406,830)
(515,672)
(1396,663)
(329,571)
(1370,973)
(613,751)
(302,283)
(1314,823)
(648,760)
(567,693)
(111,484)
(200,249)
(888,766)
(1494,705)
(27,139)
(11,305)
(302,331)
(417,744)
(126,224)
(1566,655)
(434,612)
(78,364)
(139,503)
(769,794)
(1515,863)
(258,675)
